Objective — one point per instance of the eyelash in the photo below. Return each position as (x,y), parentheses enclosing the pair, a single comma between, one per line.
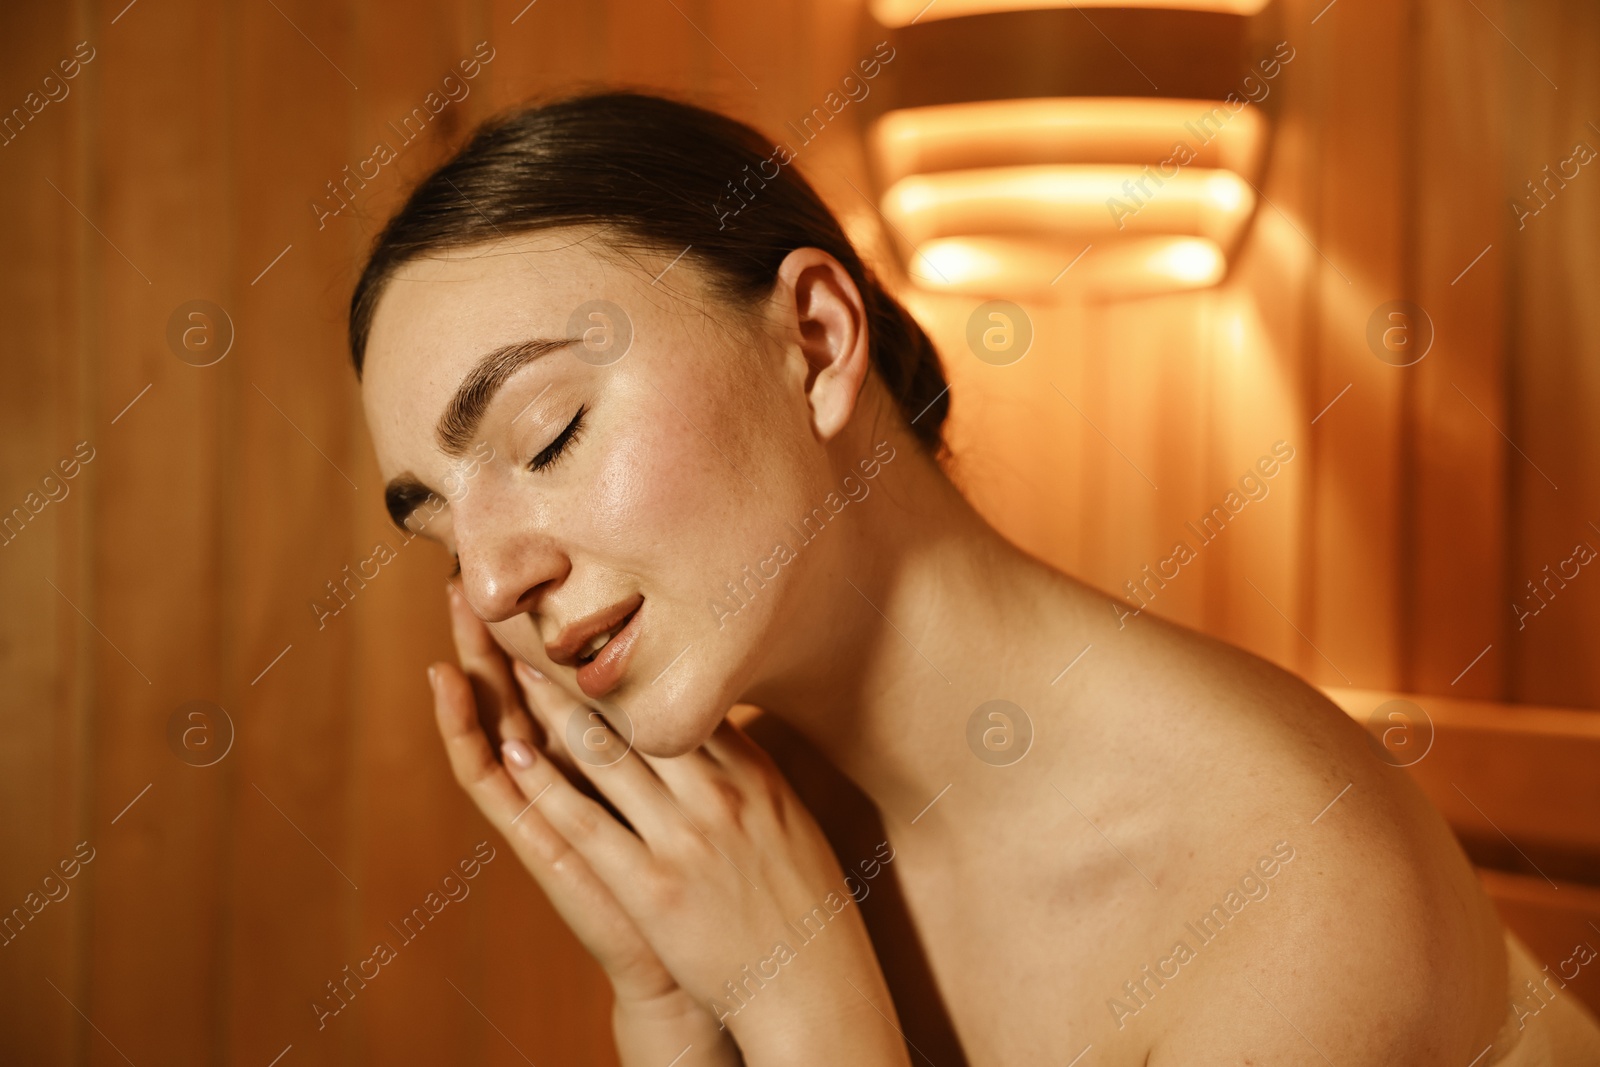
(554,450)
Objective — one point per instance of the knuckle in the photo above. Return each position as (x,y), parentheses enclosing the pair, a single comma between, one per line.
(474,778)
(727,803)
(767,783)
(661,891)
(551,849)
(586,820)
(777,799)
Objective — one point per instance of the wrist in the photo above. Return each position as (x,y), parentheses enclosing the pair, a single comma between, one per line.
(802,1030)
(651,1030)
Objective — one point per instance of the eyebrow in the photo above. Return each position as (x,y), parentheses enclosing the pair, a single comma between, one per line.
(459,423)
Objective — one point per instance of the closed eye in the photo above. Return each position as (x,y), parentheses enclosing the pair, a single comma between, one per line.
(554,449)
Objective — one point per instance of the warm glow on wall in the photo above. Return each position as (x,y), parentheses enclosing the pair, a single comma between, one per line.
(905,12)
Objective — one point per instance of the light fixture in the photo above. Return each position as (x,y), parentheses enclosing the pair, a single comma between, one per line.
(1012,137)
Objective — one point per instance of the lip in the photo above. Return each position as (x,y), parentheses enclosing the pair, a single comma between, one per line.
(600,675)
(564,649)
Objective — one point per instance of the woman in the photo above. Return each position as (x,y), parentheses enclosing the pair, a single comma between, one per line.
(622,362)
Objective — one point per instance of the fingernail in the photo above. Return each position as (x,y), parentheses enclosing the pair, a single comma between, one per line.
(433,677)
(517,751)
(531,671)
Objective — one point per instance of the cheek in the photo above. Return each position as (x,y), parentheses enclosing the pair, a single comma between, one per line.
(653,494)
(621,497)
(673,500)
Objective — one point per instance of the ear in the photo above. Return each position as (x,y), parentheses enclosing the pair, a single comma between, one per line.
(820,303)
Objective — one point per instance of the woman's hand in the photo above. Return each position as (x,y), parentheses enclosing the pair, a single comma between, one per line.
(720,892)
(479,709)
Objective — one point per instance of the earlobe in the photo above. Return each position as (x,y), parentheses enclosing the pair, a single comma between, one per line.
(830,324)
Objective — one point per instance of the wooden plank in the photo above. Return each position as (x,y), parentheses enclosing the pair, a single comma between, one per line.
(1353,60)
(1554,344)
(160,197)
(44,776)
(1458,479)
(1145,459)
(295,912)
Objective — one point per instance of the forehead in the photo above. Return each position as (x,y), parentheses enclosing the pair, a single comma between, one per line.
(439,314)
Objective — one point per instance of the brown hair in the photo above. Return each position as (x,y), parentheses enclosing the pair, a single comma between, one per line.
(663,174)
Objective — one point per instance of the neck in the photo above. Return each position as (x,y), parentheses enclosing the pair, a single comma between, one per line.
(914,616)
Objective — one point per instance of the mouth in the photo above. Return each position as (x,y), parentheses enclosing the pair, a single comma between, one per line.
(605,656)
(598,647)
(596,644)
(587,636)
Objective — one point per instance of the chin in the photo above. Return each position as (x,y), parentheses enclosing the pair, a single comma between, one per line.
(676,714)
(666,730)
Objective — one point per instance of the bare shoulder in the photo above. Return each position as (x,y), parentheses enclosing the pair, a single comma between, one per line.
(1372,944)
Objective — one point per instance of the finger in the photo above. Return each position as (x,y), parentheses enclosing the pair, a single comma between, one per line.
(553,709)
(481,774)
(578,894)
(567,722)
(552,706)
(613,852)
(499,705)
(602,757)
(696,781)
(549,705)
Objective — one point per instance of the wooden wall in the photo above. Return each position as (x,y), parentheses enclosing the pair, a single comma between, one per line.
(1390,550)
(182,563)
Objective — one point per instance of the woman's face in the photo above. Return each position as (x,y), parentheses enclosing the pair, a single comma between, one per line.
(605,444)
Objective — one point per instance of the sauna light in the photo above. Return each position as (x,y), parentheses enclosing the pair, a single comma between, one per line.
(1039,268)
(1072,200)
(1188,260)
(922,140)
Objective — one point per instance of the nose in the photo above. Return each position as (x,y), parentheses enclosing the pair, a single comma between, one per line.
(508,557)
